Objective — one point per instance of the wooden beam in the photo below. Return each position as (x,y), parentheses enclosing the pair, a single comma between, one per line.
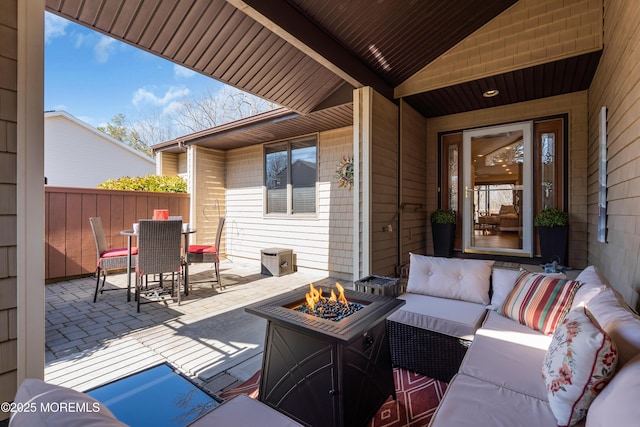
(290,24)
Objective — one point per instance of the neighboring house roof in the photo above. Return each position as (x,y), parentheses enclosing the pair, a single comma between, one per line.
(79,155)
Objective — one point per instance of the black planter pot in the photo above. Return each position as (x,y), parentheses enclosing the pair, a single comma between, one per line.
(443,238)
(553,244)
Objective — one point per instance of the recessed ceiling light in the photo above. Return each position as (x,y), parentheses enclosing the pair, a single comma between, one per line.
(491,93)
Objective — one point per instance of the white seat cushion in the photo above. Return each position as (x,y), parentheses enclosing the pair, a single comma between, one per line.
(451,317)
(243,411)
(617,404)
(472,402)
(509,355)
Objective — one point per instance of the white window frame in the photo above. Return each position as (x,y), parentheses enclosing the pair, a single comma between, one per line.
(289,209)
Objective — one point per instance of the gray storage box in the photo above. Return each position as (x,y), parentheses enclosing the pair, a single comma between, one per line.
(276,261)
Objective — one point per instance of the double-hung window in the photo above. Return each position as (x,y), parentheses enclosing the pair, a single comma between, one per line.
(291,173)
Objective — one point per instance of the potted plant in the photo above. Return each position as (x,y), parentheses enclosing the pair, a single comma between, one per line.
(553,231)
(443,227)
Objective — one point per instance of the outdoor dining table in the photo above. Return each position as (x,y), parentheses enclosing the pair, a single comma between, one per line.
(133,233)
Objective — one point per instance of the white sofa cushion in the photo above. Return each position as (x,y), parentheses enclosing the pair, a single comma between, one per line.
(538,301)
(509,355)
(461,279)
(617,404)
(502,282)
(622,325)
(592,284)
(243,411)
(44,398)
(579,363)
(451,317)
(470,402)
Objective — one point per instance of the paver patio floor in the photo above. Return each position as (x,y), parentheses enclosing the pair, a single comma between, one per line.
(208,337)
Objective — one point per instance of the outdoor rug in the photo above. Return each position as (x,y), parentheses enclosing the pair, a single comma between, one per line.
(417,399)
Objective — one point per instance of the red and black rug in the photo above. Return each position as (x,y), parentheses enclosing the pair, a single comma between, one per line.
(417,399)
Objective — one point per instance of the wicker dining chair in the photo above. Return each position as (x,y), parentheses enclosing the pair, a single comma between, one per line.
(208,253)
(159,252)
(108,258)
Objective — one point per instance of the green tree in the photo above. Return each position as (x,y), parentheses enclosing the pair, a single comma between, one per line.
(120,129)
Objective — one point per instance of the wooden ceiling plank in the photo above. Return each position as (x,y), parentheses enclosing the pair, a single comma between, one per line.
(287,22)
(171,26)
(108,15)
(202,33)
(187,24)
(125,18)
(155,27)
(254,48)
(211,36)
(239,30)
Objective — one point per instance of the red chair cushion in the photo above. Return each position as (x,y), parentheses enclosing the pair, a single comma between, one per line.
(202,249)
(113,253)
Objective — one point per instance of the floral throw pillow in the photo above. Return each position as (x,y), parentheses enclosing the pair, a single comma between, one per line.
(580,361)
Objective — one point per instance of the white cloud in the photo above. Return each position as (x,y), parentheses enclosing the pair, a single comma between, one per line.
(104,48)
(54,26)
(182,72)
(144,96)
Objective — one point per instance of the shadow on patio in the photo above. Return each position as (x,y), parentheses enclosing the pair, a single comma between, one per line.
(208,337)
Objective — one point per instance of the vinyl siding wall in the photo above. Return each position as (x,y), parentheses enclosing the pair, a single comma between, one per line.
(384,186)
(209,191)
(616,86)
(76,156)
(8,206)
(323,241)
(413,179)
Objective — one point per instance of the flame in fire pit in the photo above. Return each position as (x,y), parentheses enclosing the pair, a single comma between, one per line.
(334,307)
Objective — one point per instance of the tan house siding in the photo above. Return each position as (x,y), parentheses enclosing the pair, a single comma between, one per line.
(323,242)
(167,164)
(616,86)
(529,33)
(384,185)
(8,208)
(208,189)
(575,105)
(413,187)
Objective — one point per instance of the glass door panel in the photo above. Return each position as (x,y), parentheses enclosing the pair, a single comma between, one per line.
(497,199)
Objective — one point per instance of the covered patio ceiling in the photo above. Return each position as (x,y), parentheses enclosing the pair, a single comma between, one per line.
(308,55)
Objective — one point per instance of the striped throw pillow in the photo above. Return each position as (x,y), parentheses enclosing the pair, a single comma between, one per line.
(539,302)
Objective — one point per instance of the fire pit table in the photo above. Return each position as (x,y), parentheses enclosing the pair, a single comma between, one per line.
(326,372)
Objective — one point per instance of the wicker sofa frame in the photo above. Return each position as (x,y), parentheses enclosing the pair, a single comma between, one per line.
(424,351)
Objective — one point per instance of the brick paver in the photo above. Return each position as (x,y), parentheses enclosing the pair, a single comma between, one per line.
(209,336)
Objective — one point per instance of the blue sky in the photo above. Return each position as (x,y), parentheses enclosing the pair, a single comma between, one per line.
(94,77)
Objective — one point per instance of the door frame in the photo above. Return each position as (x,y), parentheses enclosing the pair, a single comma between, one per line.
(527,188)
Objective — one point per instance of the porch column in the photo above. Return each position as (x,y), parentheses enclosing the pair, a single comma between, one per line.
(30,191)
(375,127)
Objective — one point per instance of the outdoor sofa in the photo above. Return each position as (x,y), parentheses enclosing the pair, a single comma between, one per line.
(465,322)
(519,348)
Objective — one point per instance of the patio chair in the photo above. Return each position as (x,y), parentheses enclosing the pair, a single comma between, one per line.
(159,252)
(108,258)
(208,253)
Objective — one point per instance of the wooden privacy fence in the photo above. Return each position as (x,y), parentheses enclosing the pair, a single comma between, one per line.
(70,249)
